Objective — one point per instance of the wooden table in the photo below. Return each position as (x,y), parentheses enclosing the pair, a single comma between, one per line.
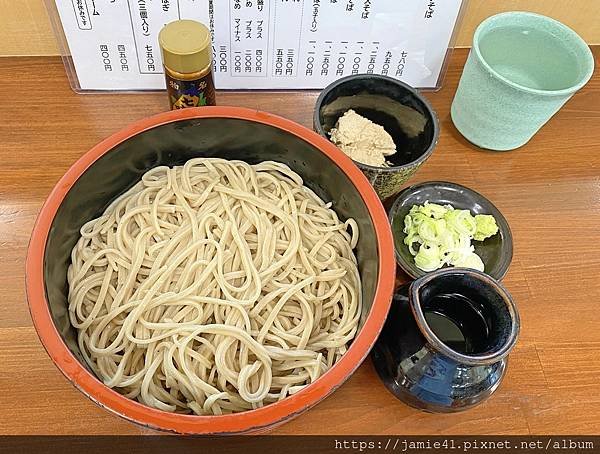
(549,191)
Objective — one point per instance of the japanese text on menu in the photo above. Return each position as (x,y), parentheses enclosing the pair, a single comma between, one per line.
(262,44)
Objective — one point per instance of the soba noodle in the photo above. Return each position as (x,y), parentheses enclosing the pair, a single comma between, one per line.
(214,287)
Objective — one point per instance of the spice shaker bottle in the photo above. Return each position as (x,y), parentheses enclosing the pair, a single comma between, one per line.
(187,58)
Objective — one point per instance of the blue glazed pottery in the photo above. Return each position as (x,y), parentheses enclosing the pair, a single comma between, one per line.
(445,343)
(521,69)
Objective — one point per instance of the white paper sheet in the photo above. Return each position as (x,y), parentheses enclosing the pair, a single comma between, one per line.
(262,44)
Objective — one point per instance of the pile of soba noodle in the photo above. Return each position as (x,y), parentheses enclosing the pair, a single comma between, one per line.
(215,287)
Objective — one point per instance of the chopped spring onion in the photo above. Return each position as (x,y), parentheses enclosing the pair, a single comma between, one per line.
(438,235)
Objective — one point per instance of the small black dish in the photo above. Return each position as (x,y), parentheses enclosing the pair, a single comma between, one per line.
(402,111)
(496,252)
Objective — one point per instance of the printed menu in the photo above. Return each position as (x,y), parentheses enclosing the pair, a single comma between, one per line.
(262,44)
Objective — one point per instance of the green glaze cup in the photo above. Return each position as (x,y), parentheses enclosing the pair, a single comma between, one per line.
(521,69)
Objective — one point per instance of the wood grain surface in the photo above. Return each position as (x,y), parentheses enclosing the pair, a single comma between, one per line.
(549,191)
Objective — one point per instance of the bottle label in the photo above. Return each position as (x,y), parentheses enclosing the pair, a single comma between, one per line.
(190,93)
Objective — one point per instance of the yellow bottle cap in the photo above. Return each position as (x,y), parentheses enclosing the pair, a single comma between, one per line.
(185,46)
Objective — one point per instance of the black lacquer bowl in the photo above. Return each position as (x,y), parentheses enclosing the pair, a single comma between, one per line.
(171,138)
(496,252)
(402,111)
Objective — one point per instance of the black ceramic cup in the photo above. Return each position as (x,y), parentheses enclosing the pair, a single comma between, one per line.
(446,340)
(399,108)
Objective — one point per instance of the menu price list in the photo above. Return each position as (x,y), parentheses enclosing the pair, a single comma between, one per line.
(262,44)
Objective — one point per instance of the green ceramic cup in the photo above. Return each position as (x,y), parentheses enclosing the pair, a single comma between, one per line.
(521,69)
